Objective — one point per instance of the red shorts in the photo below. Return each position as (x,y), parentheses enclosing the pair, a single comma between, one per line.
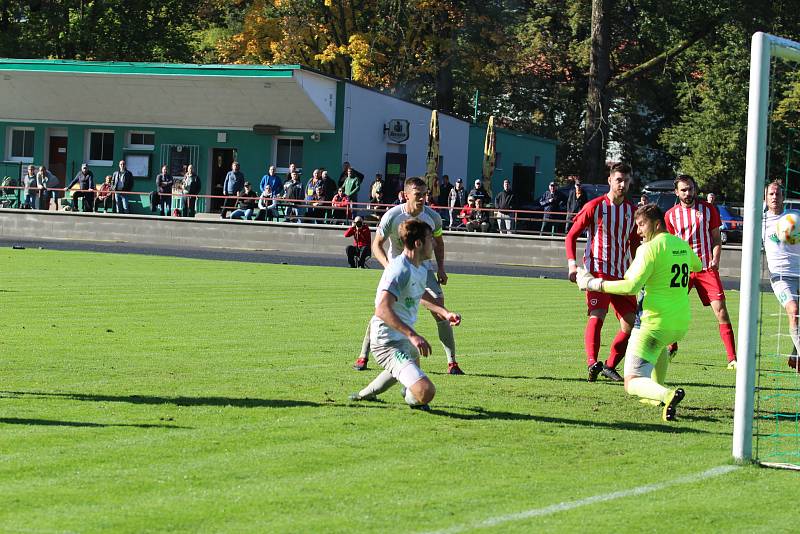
(708,286)
(623,304)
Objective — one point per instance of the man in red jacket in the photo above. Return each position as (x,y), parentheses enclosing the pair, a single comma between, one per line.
(360,249)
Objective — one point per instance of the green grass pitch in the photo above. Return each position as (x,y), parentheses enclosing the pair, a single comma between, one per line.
(146,394)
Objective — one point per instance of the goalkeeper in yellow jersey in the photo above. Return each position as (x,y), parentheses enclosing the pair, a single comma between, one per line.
(661,271)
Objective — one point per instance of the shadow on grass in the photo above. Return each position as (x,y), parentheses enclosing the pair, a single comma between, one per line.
(485,375)
(600,380)
(177,401)
(480,414)
(51,422)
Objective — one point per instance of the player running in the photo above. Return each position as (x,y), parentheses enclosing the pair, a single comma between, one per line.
(611,242)
(414,208)
(697,222)
(663,267)
(394,342)
(783,261)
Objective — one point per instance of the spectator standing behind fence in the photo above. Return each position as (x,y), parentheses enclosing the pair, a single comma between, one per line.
(401,198)
(346,168)
(551,202)
(105,197)
(318,205)
(359,251)
(233,185)
(122,184)
(267,205)
(444,191)
(341,206)
(31,190)
(272,180)
(376,196)
(85,181)
(164,183)
(311,194)
(506,202)
(245,204)
(479,221)
(577,199)
(643,200)
(191,188)
(47,182)
(293,191)
(352,184)
(480,192)
(456,199)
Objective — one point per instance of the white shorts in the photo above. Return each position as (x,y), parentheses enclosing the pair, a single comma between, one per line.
(401,359)
(786,288)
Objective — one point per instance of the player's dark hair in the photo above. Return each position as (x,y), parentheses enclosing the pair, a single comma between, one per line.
(620,167)
(651,212)
(414,181)
(685,178)
(411,231)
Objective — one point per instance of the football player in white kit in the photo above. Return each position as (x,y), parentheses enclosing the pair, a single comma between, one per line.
(783,261)
(414,208)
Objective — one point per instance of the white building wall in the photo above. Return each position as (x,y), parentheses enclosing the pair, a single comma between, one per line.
(365,145)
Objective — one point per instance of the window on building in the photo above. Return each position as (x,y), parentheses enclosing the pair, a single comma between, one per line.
(21,148)
(288,151)
(100,148)
(141,140)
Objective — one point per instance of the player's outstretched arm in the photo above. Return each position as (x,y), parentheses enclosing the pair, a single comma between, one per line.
(385,313)
(429,302)
(579,225)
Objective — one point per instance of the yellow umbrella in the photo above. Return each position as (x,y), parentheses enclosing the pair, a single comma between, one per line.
(489,156)
(431,172)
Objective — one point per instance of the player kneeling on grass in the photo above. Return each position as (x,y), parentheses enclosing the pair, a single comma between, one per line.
(662,267)
(393,341)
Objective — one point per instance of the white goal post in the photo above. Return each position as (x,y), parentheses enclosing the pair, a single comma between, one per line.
(763,48)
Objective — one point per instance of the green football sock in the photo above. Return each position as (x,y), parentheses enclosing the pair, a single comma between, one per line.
(365,344)
(647,388)
(659,373)
(447,339)
(381,383)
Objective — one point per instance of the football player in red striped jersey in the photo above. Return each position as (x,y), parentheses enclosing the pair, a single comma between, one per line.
(611,241)
(698,223)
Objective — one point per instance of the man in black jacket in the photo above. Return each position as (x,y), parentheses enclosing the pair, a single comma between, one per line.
(122,183)
(505,201)
(85,181)
(551,202)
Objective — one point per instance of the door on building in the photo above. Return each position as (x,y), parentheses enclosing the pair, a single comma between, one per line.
(395,175)
(524,183)
(57,158)
(221,161)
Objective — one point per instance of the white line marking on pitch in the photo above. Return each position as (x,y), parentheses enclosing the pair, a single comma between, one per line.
(564,506)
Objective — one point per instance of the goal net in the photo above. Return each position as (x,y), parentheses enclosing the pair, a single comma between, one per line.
(767,410)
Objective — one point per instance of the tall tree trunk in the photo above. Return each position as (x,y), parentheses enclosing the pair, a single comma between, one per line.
(595,130)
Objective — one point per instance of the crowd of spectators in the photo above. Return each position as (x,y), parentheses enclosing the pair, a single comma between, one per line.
(321,199)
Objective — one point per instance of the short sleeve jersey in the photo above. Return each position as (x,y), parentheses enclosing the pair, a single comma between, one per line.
(662,266)
(782,259)
(611,235)
(695,225)
(407,283)
(392,219)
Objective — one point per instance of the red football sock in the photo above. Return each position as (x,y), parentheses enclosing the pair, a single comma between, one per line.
(726,333)
(591,339)
(618,347)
